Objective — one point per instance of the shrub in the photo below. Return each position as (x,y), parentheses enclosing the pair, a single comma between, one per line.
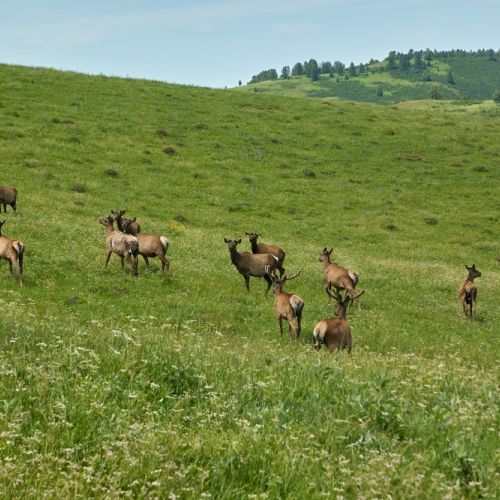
(496,96)
(79,188)
(169,150)
(111,172)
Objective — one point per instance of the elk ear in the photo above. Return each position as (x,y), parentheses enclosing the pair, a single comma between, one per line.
(239,241)
(247,234)
(325,250)
(467,267)
(134,219)
(226,241)
(331,250)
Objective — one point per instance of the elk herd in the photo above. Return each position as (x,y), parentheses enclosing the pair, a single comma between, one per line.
(128,241)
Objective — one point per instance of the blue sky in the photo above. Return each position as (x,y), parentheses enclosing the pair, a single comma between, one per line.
(216,43)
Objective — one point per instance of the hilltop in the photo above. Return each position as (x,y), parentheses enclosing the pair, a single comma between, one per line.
(448,75)
(178,383)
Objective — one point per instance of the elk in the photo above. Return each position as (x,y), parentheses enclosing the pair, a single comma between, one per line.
(338,277)
(287,305)
(8,196)
(123,245)
(271,249)
(150,245)
(128,226)
(468,292)
(12,251)
(249,264)
(335,332)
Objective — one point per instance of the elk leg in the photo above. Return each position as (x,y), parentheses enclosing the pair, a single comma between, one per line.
(269,282)
(299,323)
(10,268)
(280,320)
(121,258)
(247,282)
(134,265)
(107,258)
(146,260)
(164,262)
(281,269)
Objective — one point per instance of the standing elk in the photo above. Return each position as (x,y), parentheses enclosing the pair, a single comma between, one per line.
(13,252)
(468,292)
(338,277)
(128,226)
(258,248)
(123,245)
(249,264)
(287,305)
(8,196)
(150,245)
(335,332)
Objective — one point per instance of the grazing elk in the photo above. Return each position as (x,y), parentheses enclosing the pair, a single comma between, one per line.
(8,196)
(249,264)
(12,251)
(263,248)
(150,245)
(335,332)
(287,305)
(123,245)
(468,292)
(338,277)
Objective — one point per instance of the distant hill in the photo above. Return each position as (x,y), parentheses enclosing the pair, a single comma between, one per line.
(416,75)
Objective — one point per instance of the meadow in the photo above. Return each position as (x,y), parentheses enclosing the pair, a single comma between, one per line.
(177,384)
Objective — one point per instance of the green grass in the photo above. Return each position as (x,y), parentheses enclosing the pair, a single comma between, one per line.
(177,383)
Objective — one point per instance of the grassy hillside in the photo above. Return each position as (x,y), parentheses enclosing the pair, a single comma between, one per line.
(178,384)
(474,77)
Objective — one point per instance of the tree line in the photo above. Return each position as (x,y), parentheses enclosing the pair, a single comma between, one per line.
(413,60)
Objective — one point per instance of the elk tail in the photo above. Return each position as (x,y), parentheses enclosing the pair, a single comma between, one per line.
(19,248)
(165,244)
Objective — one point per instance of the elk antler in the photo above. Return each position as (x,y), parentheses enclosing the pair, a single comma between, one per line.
(292,277)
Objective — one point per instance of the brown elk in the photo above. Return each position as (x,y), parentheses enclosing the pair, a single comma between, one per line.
(8,196)
(150,245)
(264,248)
(468,292)
(13,252)
(338,277)
(287,305)
(335,332)
(249,264)
(128,226)
(123,245)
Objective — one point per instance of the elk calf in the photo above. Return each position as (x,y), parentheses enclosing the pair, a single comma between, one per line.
(271,249)
(338,277)
(335,332)
(287,305)
(12,251)
(8,196)
(123,245)
(468,292)
(249,264)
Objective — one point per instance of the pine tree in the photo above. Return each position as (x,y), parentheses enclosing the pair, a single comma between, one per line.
(297,69)
(285,73)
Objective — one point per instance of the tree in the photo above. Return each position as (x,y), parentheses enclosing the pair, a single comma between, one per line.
(312,67)
(404,63)
(239,83)
(352,69)
(315,74)
(268,74)
(285,72)
(434,92)
(391,60)
(419,64)
(426,76)
(496,96)
(380,92)
(327,68)
(297,69)
(338,68)
(449,78)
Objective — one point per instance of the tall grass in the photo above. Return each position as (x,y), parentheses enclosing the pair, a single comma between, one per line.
(178,384)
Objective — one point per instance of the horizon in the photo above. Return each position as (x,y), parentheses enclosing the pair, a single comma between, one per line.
(216,44)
